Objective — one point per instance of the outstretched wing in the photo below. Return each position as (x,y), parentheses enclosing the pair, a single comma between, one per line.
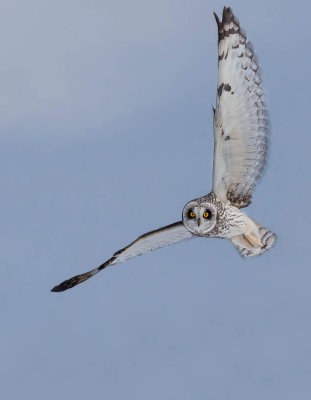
(240,118)
(149,241)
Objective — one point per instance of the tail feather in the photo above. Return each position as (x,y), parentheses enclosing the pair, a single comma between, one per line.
(267,238)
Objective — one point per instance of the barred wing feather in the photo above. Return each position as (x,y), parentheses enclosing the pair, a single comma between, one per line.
(149,241)
(240,118)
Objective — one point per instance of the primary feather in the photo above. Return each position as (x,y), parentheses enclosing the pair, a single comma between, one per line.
(149,241)
(240,118)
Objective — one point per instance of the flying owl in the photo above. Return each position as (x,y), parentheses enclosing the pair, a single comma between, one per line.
(240,151)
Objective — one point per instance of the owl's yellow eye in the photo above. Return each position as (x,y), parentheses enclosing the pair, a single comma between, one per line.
(191,214)
(206,214)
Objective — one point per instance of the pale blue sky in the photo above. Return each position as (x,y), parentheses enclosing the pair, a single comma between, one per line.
(105,133)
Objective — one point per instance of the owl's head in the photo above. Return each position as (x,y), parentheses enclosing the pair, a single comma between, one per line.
(199,217)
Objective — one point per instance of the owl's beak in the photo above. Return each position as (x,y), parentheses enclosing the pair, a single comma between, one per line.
(199,221)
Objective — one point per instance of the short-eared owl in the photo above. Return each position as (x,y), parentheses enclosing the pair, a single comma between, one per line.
(240,149)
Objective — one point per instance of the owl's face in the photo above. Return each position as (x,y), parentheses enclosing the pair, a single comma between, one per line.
(199,218)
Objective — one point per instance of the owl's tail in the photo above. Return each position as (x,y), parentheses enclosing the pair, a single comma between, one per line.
(254,242)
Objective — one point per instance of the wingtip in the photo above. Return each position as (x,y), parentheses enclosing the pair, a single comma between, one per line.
(59,288)
(226,12)
(217,19)
(69,283)
(227,16)
(75,280)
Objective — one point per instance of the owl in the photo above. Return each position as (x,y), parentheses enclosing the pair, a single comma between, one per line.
(240,149)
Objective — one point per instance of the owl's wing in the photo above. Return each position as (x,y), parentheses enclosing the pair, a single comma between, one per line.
(240,119)
(149,241)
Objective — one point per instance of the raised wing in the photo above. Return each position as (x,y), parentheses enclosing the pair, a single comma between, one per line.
(149,241)
(240,118)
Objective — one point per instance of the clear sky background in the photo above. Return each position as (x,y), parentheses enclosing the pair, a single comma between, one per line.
(105,133)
